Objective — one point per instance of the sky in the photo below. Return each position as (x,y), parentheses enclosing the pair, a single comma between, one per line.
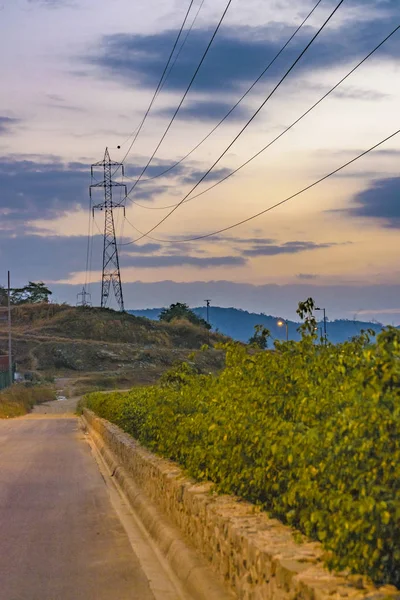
(79,77)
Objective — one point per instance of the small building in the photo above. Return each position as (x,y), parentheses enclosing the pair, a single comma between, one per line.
(4,362)
(4,372)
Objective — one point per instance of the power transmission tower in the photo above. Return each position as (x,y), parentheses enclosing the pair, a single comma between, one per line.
(84,298)
(111,272)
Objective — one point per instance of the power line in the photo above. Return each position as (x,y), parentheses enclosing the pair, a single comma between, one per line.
(139,129)
(282,133)
(270,208)
(88,241)
(97,226)
(177,55)
(84,298)
(183,98)
(250,120)
(120,226)
(170,68)
(137,230)
(90,260)
(129,137)
(235,105)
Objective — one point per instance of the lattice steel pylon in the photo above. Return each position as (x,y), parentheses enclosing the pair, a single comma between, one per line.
(111,272)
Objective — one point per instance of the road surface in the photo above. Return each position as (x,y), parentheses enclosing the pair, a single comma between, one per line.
(65,532)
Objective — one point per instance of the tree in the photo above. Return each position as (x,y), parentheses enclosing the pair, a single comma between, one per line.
(33,293)
(182,311)
(260,337)
(3,296)
(305,312)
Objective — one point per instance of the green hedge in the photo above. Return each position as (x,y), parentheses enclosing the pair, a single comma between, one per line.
(311,433)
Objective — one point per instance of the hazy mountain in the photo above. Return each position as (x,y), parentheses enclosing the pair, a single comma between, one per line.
(239,324)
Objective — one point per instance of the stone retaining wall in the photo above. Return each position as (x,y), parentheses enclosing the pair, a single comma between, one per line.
(257,557)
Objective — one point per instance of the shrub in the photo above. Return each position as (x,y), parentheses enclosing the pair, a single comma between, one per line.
(19,399)
(311,433)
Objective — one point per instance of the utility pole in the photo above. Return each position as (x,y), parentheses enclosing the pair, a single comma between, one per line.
(10,365)
(325,336)
(208,310)
(111,273)
(208,318)
(283,322)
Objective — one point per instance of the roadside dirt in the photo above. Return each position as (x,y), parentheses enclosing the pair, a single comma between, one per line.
(57,407)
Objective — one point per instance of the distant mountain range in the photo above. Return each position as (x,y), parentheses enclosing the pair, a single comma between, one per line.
(239,324)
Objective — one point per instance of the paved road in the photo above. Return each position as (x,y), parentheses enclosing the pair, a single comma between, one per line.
(61,537)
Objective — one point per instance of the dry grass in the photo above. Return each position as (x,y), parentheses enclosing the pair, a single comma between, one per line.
(19,399)
(102,348)
(104,325)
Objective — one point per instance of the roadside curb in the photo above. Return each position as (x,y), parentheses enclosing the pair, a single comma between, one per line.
(220,547)
(191,569)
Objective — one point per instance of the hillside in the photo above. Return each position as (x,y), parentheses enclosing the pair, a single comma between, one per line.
(65,341)
(239,324)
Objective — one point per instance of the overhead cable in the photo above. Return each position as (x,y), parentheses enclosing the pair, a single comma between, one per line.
(139,128)
(89,241)
(270,208)
(283,132)
(235,105)
(249,121)
(183,98)
(177,55)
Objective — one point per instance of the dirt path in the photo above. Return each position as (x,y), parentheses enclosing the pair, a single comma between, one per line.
(58,407)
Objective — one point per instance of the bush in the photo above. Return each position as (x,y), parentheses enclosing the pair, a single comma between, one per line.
(311,433)
(182,312)
(19,399)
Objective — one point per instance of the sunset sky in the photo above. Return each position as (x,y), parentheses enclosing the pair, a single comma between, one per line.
(78,75)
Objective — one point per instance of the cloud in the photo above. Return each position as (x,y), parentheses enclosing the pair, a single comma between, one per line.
(379,202)
(239,240)
(146,192)
(353,93)
(381,311)
(34,257)
(359,174)
(33,189)
(53,257)
(143,249)
(58,102)
(287,248)
(307,276)
(48,188)
(387,152)
(255,247)
(7,125)
(211,110)
(156,262)
(53,3)
(183,174)
(140,59)
(133,170)
(215,175)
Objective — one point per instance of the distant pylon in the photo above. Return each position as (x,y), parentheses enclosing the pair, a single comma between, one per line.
(111,271)
(84,298)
